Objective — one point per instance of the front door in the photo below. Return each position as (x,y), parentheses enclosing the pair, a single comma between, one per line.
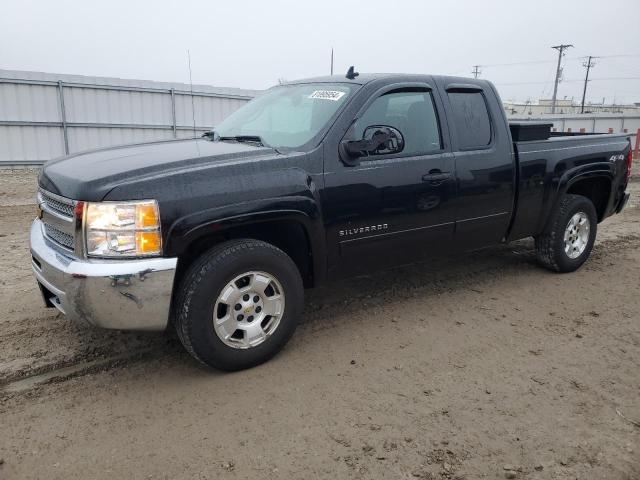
(391,209)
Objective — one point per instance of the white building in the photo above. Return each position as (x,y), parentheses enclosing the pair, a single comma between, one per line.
(566,107)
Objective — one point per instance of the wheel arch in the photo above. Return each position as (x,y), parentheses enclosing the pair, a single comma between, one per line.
(292,231)
(596,188)
(588,183)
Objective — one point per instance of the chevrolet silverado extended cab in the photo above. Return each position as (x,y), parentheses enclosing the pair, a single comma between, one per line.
(310,182)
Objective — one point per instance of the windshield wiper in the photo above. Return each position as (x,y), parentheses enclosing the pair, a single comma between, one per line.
(245,139)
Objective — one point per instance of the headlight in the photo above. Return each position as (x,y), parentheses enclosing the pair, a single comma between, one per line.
(128,229)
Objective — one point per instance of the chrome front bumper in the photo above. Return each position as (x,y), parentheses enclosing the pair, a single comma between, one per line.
(120,294)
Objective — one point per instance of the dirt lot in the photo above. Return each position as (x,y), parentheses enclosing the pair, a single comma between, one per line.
(483,366)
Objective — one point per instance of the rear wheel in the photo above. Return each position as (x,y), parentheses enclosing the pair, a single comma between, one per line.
(569,239)
(239,304)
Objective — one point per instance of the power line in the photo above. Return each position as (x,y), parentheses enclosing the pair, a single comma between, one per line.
(561,49)
(613,78)
(529,62)
(548,84)
(535,62)
(626,62)
(572,80)
(620,56)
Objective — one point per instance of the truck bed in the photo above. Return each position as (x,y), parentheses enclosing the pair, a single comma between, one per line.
(542,166)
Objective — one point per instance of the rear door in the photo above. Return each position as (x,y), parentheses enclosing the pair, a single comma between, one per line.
(390,209)
(484,164)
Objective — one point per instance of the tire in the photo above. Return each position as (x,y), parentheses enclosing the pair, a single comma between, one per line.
(551,248)
(207,286)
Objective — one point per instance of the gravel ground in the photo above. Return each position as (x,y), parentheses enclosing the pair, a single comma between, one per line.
(482,366)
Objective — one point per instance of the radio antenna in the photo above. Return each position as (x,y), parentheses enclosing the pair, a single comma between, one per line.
(193,108)
(331,60)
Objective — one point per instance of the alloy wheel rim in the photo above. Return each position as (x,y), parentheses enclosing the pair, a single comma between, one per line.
(576,235)
(248,310)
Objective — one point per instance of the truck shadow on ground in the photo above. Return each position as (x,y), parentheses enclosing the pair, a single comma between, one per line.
(446,274)
(333,310)
(325,308)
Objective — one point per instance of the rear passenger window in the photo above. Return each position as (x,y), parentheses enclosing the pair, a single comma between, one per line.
(471,119)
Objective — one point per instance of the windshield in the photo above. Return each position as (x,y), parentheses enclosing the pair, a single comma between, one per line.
(286,116)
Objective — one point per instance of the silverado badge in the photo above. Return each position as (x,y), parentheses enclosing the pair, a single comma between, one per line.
(369,228)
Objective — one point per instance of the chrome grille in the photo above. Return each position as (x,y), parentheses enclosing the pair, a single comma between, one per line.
(58,218)
(59,205)
(59,236)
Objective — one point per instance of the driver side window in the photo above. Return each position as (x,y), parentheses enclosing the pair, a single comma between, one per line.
(411,112)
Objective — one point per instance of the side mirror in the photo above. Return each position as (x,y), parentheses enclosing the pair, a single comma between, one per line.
(376,140)
(212,134)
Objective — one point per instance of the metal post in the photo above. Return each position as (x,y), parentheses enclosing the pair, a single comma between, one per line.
(173,112)
(63,118)
(593,127)
(193,105)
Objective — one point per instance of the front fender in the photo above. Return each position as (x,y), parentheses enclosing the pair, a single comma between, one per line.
(301,209)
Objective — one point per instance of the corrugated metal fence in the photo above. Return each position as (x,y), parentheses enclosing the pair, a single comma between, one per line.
(43,115)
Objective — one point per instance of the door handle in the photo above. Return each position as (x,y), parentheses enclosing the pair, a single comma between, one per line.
(436,177)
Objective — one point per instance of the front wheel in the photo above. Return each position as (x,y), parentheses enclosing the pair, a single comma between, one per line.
(239,304)
(569,239)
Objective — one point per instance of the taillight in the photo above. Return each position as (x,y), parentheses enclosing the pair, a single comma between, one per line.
(629,163)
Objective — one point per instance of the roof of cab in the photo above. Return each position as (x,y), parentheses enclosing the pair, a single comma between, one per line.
(364,78)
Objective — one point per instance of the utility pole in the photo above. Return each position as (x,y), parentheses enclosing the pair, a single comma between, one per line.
(476,71)
(561,49)
(588,65)
(331,61)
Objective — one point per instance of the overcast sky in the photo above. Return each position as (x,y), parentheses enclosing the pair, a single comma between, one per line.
(251,44)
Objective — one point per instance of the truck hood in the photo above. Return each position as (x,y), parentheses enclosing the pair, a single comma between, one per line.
(91,175)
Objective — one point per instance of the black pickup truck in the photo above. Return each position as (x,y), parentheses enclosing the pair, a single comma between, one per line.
(310,182)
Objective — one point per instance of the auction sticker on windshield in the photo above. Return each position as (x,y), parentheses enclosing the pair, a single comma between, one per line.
(334,95)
